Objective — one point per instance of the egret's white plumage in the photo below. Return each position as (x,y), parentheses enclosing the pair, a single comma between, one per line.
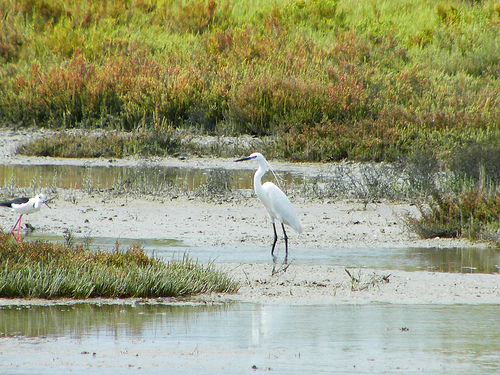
(274,200)
(25,206)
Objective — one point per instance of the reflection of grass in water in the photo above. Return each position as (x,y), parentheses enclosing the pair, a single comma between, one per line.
(13,187)
(44,270)
(458,260)
(104,243)
(81,319)
(146,179)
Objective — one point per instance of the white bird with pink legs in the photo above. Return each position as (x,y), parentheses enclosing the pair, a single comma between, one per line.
(25,206)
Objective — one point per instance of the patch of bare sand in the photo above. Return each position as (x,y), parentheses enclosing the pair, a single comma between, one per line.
(341,224)
(316,285)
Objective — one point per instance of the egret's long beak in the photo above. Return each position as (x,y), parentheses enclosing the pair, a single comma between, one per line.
(48,200)
(246,158)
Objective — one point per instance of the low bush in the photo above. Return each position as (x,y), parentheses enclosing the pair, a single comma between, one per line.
(466,215)
(329,80)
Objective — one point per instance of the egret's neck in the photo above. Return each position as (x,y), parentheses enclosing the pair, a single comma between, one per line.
(257,177)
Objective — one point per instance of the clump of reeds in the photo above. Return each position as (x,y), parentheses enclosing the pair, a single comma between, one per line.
(360,282)
(45,270)
(218,186)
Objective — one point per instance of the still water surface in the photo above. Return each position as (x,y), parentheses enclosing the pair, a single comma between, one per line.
(79,177)
(407,259)
(234,338)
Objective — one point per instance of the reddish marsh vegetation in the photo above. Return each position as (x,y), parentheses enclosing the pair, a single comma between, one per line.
(330,80)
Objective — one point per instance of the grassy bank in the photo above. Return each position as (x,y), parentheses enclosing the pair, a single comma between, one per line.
(327,80)
(45,270)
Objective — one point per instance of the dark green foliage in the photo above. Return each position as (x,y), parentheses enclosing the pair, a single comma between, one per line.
(477,162)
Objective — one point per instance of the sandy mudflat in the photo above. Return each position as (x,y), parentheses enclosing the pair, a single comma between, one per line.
(331,285)
(243,222)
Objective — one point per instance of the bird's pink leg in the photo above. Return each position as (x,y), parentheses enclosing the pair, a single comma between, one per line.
(18,230)
(15,225)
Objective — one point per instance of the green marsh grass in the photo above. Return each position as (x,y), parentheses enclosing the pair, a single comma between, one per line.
(328,80)
(104,144)
(44,270)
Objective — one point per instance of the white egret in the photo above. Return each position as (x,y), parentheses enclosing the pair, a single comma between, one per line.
(274,200)
(25,206)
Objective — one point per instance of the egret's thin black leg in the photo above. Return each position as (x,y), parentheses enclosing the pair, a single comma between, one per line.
(286,242)
(275,239)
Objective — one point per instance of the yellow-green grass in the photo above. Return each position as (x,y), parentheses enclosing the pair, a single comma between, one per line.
(45,270)
(364,80)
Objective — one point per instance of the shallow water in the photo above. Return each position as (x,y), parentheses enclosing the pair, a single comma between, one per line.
(234,338)
(80,177)
(407,259)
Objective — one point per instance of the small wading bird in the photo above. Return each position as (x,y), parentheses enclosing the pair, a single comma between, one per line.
(276,202)
(25,206)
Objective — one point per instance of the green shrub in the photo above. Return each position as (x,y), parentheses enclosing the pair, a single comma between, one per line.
(465,215)
(109,145)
